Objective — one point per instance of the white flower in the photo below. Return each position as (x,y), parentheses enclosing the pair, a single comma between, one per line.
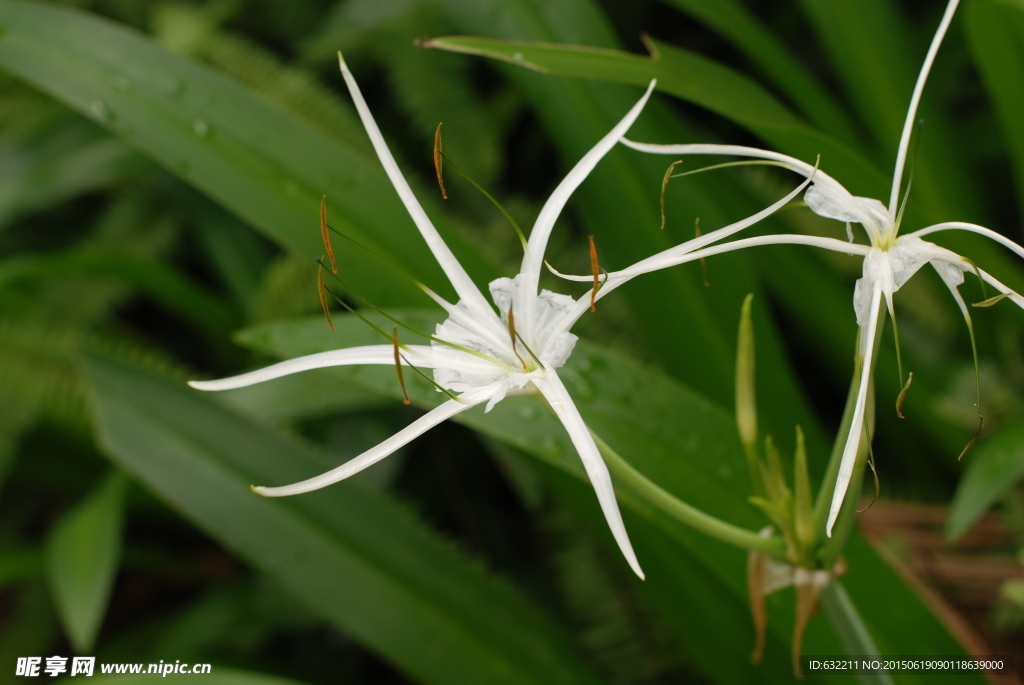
(889,262)
(478,353)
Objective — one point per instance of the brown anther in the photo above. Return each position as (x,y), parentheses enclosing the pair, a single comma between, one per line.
(903,395)
(398,365)
(512,331)
(325,233)
(703,262)
(596,270)
(664,185)
(439,161)
(323,294)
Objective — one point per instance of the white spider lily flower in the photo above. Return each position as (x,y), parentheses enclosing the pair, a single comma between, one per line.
(889,262)
(477,353)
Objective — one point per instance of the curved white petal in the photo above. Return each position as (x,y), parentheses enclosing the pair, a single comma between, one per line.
(534,258)
(908,125)
(991,280)
(558,397)
(827,197)
(371,354)
(374,454)
(460,280)
(857,424)
(972,228)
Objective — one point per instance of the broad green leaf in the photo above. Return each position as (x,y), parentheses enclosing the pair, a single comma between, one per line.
(993,468)
(688,76)
(995,32)
(263,164)
(348,552)
(218,675)
(82,557)
(686,445)
(770,56)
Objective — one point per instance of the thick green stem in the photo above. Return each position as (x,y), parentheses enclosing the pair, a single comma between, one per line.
(681,511)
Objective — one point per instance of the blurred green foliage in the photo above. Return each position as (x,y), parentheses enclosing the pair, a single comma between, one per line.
(161,165)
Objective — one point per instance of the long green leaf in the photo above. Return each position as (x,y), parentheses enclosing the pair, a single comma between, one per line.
(348,552)
(82,558)
(686,445)
(769,55)
(995,32)
(261,163)
(686,75)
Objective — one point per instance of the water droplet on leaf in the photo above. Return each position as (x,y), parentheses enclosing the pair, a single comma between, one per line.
(99,109)
(201,128)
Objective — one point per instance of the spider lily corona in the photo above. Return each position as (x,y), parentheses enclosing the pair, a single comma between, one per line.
(478,356)
(890,259)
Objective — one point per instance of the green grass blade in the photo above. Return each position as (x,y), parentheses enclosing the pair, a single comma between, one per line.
(82,558)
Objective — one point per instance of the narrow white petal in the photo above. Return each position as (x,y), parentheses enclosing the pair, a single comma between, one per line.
(991,280)
(915,99)
(617,278)
(857,424)
(374,454)
(534,258)
(460,280)
(821,179)
(556,394)
(972,228)
(370,354)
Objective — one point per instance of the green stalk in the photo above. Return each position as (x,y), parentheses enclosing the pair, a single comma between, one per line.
(681,511)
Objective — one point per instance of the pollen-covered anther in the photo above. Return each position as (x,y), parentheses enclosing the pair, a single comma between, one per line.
(596,270)
(903,394)
(664,185)
(326,235)
(398,364)
(322,290)
(439,161)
